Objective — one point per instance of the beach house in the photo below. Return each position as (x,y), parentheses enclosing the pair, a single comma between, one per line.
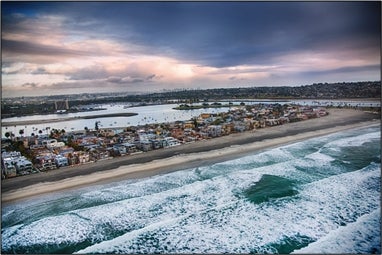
(15,164)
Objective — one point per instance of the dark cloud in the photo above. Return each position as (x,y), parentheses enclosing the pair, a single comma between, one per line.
(225,33)
(128,79)
(32,48)
(40,70)
(151,77)
(114,79)
(347,69)
(212,34)
(98,72)
(137,80)
(89,73)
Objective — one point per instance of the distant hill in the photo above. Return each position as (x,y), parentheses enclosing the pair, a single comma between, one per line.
(314,91)
(342,90)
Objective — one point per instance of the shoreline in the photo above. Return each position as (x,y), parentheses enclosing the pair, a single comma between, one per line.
(182,157)
(32,122)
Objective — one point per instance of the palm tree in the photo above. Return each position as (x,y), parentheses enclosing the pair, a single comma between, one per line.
(47,128)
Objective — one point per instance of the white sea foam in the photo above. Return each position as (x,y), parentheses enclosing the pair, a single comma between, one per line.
(320,157)
(201,210)
(137,188)
(195,209)
(50,230)
(360,237)
(354,141)
(273,155)
(240,226)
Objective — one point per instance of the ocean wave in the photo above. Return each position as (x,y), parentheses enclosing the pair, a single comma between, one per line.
(360,237)
(354,141)
(234,206)
(243,227)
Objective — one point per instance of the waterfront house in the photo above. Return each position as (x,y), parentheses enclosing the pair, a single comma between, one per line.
(156,144)
(145,145)
(271,122)
(61,161)
(130,147)
(98,153)
(15,161)
(170,142)
(239,126)
(120,149)
(23,166)
(45,161)
(214,130)
(228,128)
(9,169)
(81,157)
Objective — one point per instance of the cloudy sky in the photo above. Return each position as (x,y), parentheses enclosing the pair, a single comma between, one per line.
(75,47)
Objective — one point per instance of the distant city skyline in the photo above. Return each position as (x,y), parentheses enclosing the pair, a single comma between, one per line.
(52,48)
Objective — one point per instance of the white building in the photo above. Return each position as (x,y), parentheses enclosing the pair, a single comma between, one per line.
(14,163)
(170,142)
(61,161)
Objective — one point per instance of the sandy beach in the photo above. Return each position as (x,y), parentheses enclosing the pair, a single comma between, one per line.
(183,157)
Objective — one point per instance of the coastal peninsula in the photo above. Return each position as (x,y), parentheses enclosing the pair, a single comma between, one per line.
(183,157)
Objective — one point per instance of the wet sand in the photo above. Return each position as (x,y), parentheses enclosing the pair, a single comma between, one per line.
(183,157)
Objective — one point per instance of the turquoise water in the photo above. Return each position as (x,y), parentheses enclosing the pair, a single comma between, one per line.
(321,195)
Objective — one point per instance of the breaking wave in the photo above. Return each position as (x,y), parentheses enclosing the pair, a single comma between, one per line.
(321,195)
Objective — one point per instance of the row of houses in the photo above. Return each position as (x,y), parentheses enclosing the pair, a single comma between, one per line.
(80,147)
(13,164)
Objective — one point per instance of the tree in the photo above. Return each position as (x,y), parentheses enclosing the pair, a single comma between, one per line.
(53,133)
(195,121)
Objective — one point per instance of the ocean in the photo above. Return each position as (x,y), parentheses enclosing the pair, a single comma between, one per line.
(320,195)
